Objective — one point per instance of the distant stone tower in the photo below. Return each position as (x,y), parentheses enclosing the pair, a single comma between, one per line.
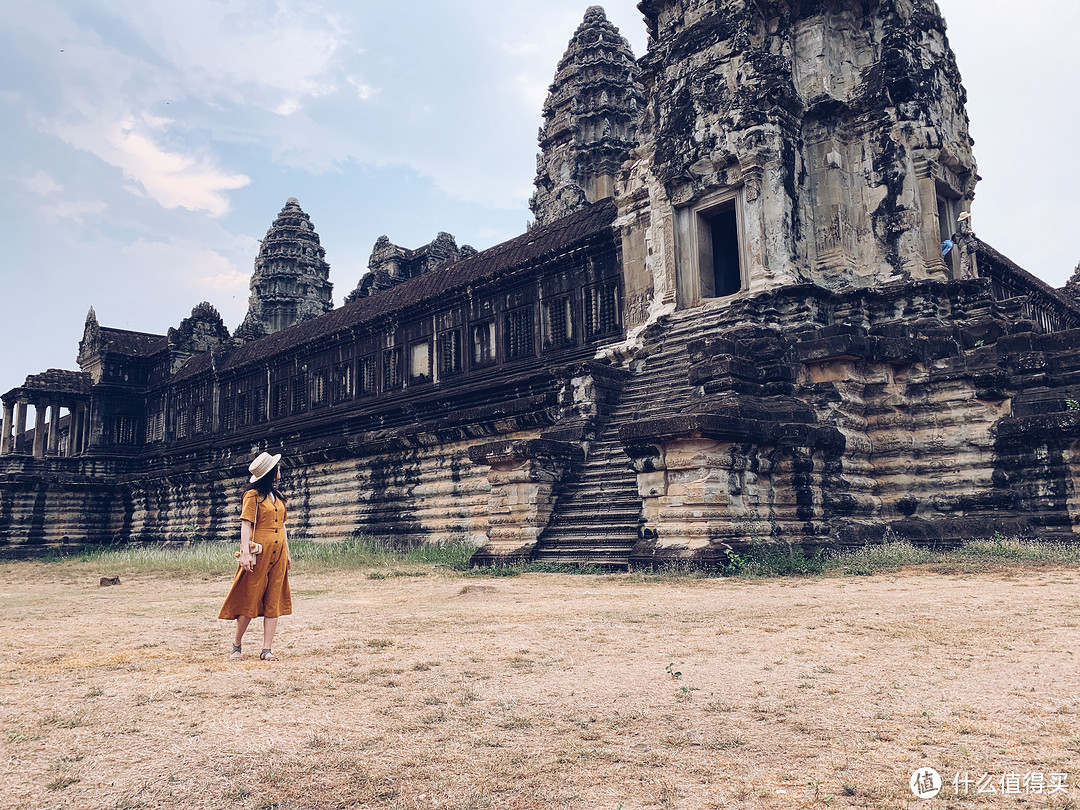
(789,142)
(590,120)
(290,283)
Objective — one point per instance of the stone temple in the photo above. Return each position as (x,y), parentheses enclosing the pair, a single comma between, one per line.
(752,308)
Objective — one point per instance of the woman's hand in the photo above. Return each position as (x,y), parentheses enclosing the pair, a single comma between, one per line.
(288,565)
(247,562)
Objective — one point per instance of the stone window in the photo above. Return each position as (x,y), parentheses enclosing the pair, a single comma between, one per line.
(710,258)
(391,369)
(557,323)
(228,414)
(450,353)
(343,382)
(948,210)
(279,400)
(200,418)
(483,344)
(366,375)
(299,394)
(181,421)
(519,333)
(243,409)
(318,388)
(420,362)
(124,429)
(258,408)
(601,310)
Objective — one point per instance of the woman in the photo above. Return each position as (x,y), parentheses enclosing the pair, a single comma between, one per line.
(261,585)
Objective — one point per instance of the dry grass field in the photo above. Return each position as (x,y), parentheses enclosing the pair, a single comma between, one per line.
(541,691)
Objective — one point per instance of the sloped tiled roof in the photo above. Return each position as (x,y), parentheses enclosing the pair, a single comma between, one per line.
(132,344)
(536,244)
(196,365)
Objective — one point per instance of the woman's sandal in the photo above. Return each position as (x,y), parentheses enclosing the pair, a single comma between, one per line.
(267,655)
(236,653)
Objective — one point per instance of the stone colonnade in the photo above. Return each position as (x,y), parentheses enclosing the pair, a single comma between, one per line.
(47,434)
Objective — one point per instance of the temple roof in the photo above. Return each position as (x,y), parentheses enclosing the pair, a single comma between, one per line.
(56,381)
(532,246)
(131,344)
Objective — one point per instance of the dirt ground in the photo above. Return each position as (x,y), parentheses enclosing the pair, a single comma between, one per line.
(542,691)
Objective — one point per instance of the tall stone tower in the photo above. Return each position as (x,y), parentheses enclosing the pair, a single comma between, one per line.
(788,142)
(290,283)
(590,120)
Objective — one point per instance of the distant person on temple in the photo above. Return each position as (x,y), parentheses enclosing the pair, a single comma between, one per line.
(261,584)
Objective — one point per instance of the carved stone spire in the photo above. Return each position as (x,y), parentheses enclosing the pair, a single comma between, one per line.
(1072,286)
(590,120)
(290,283)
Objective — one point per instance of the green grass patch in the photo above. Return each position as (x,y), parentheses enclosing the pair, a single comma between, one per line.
(211,559)
(380,560)
(996,553)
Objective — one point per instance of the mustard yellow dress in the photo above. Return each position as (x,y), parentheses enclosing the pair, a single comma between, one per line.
(263,591)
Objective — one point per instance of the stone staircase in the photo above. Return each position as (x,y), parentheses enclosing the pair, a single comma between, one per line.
(596,517)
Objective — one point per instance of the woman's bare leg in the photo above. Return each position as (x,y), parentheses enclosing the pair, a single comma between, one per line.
(242,623)
(269,627)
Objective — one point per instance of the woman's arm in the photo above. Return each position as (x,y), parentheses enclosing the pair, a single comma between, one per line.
(247,562)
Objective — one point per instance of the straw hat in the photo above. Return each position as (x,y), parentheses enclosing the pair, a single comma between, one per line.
(263,463)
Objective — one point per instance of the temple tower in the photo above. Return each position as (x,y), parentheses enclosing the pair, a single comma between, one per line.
(788,142)
(590,120)
(290,283)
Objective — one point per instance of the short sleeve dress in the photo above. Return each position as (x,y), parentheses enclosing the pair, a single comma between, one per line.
(263,591)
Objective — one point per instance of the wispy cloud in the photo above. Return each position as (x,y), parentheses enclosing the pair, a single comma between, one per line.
(76,210)
(170,178)
(42,183)
(201,271)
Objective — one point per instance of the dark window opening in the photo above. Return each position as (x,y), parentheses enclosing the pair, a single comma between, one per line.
(279,401)
(259,407)
(228,415)
(601,310)
(318,388)
(721,274)
(299,394)
(558,325)
(391,369)
(366,375)
(343,382)
(243,410)
(450,353)
(519,333)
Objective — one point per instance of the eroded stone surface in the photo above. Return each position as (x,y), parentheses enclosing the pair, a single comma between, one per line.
(590,120)
(291,279)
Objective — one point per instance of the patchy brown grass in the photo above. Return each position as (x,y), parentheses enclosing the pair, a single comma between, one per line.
(537,691)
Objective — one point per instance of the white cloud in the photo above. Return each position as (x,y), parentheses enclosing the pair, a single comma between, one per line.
(74,209)
(171,179)
(364,91)
(42,183)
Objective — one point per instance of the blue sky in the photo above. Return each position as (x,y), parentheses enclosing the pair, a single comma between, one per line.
(147,145)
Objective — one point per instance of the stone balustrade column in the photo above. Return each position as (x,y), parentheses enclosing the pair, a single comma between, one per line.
(523,474)
(67,445)
(86,427)
(5,437)
(78,420)
(39,430)
(20,422)
(54,429)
